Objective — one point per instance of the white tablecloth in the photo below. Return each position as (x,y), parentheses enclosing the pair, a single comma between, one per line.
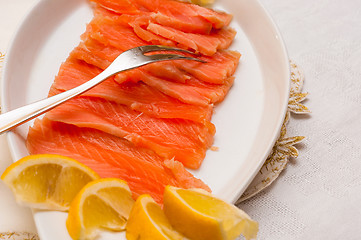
(12,217)
(318,196)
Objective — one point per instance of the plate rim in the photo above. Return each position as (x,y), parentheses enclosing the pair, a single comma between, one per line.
(4,102)
(285,100)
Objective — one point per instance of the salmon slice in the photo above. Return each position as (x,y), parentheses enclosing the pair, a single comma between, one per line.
(171,21)
(191,90)
(205,44)
(187,11)
(184,140)
(127,6)
(97,54)
(222,63)
(217,69)
(167,70)
(139,26)
(137,22)
(111,31)
(111,156)
(118,35)
(137,96)
(180,15)
(167,20)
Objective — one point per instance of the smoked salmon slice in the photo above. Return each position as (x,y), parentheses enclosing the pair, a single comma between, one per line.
(188,90)
(192,91)
(198,19)
(110,32)
(136,96)
(113,32)
(184,140)
(111,156)
(216,68)
(200,43)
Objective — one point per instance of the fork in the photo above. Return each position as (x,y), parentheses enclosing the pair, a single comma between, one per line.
(127,60)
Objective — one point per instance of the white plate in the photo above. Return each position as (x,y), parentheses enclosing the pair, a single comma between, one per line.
(248,121)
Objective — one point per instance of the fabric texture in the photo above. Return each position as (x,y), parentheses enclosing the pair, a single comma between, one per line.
(318,195)
(16,222)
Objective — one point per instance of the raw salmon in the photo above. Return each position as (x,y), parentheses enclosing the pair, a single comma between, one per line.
(97,54)
(113,32)
(217,69)
(111,156)
(199,19)
(200,43)
(188,90)
(110,32)
(184,140)
(136,96)
(192,91)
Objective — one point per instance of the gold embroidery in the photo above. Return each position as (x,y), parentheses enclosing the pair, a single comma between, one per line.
(2,56)
(295,105)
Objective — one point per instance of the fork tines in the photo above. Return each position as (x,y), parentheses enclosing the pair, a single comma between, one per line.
(155,48)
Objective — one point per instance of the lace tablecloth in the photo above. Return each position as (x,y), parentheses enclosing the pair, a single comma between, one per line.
(317,196)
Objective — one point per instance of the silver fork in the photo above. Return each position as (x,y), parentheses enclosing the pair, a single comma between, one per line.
(129,59)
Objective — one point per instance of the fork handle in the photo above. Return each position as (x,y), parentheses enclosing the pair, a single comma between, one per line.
(18,116)
(125,61)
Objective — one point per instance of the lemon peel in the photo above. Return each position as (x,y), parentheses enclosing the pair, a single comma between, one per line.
(148,222)
(199,215)
(47,181)
(102,204)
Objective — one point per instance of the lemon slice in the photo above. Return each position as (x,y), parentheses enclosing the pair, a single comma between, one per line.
(200,2)
(199,215)
(101,204)
(203,2)
(47,181)
(148,222)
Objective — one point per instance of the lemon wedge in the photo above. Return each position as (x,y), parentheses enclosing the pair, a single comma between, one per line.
(102,204)
(203,2)
(47,181)
(148,222)
(199,215)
